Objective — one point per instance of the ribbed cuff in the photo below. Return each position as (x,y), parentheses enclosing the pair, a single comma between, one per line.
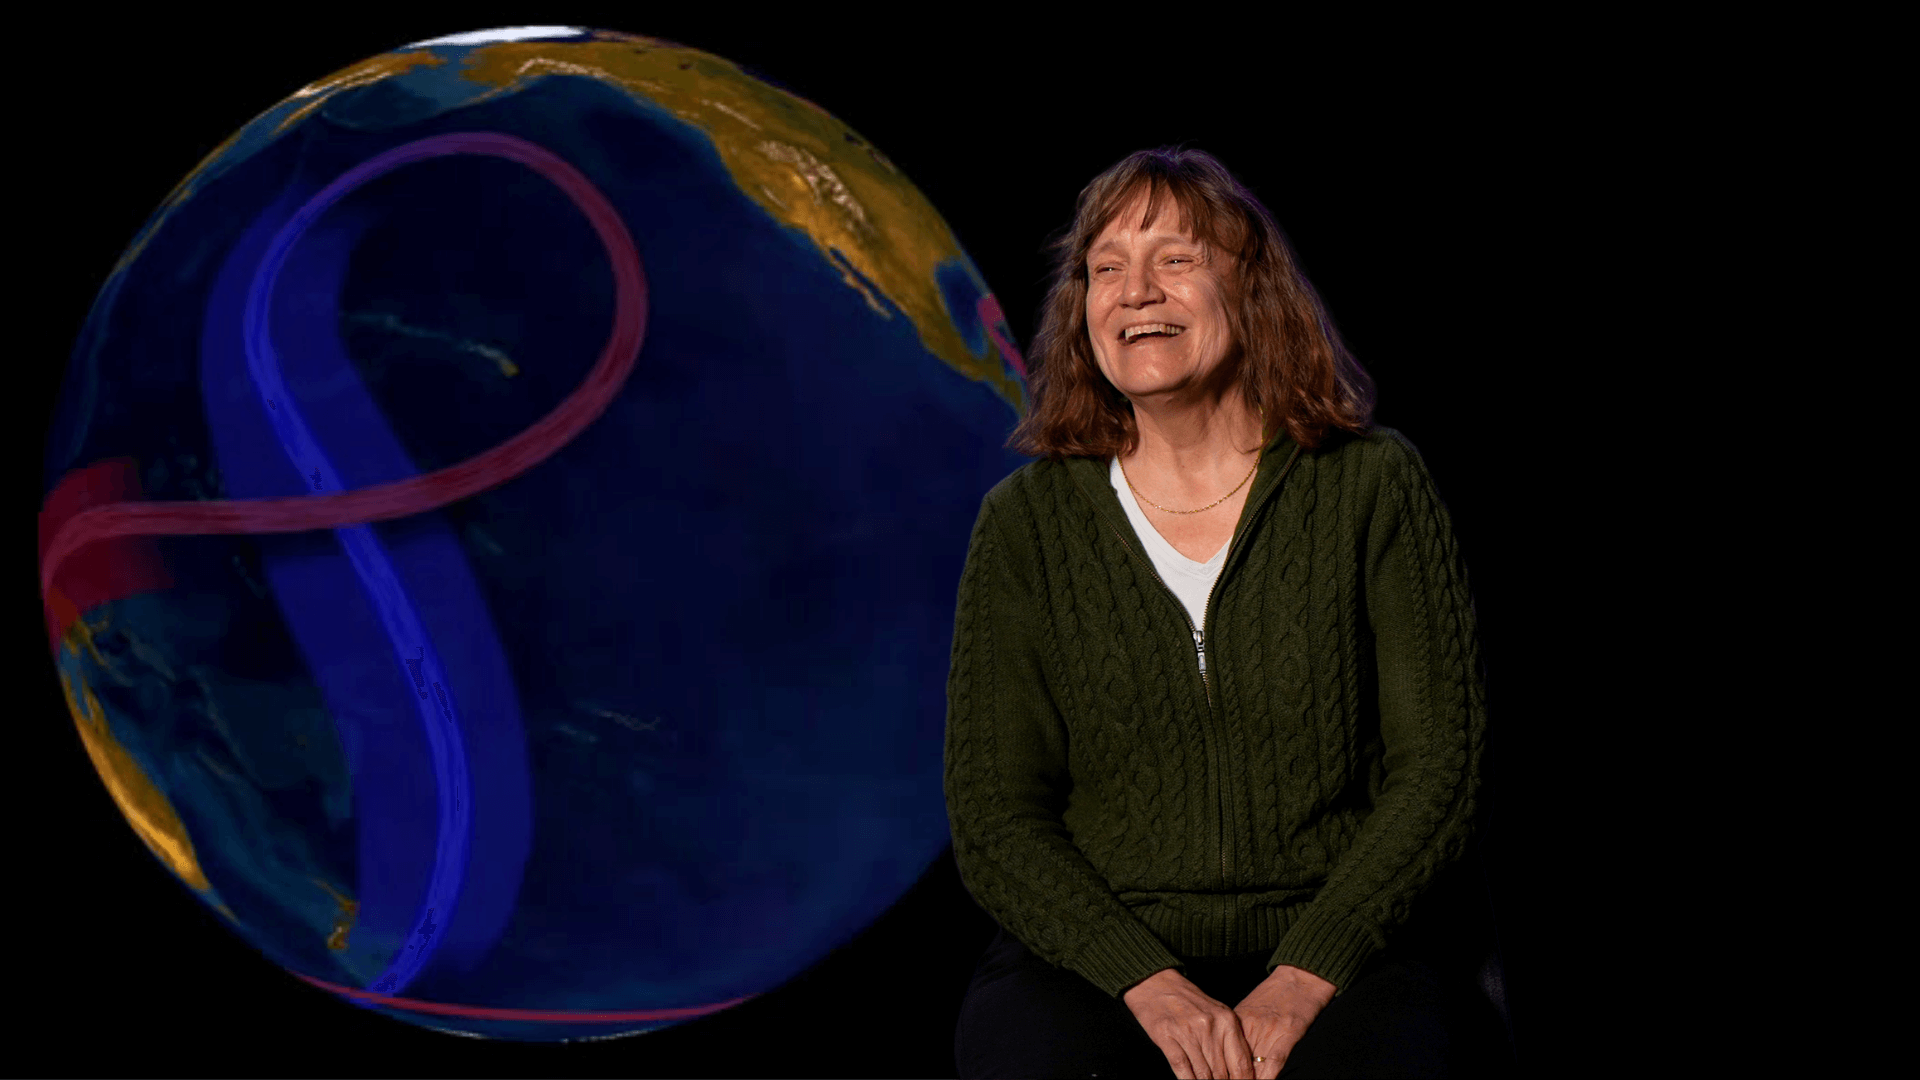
(1127,953)
(1329,944)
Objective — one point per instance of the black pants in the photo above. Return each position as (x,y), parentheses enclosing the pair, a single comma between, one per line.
(1024,1018)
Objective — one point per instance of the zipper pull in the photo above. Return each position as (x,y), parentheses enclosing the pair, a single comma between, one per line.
(1200,646)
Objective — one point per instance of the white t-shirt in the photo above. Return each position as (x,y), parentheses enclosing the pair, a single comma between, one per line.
(1190,581)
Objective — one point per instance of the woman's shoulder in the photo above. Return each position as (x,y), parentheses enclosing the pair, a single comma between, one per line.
(1381,463)
(1027,489)
(1381,450)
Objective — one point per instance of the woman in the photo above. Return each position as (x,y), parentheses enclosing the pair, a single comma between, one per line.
(1214,714)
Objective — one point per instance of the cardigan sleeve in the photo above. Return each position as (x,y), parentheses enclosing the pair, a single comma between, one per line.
(1432,714)
(1007,781)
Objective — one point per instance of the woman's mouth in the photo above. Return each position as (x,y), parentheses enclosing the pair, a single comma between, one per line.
(1150,332)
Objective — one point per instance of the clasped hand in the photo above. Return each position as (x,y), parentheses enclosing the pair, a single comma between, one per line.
(1205,1040)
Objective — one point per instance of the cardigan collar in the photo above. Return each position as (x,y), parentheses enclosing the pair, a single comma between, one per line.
(1091,475)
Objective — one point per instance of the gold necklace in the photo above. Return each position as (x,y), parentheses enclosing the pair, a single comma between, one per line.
(1214,503)
(1209,506)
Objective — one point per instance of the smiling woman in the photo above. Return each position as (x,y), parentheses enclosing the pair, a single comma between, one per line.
(1211,884)
(1203,254)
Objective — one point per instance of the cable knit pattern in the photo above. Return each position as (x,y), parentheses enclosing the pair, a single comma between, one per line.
(1115,813)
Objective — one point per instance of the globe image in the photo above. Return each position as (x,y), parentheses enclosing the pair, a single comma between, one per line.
(501,528)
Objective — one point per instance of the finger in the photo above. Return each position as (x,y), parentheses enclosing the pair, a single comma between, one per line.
(1239,1056)
(1275,1052)
(1194,1053)
(1219,1050)
(1197,1066)
(1268,1067)
(1182,1066)
(1252,1042)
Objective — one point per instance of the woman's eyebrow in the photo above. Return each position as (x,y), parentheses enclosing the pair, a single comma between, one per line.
(1157,240)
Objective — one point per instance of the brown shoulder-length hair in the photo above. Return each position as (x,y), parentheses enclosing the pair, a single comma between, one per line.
(1293,365)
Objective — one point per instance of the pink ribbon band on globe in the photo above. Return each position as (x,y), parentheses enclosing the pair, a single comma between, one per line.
(418,494)
(556,1016)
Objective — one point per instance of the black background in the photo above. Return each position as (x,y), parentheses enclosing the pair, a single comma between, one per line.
(1447,193)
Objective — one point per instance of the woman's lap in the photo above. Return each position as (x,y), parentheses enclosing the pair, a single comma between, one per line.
(1023,1017)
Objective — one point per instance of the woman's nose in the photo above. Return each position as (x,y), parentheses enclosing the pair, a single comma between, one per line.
(1140,284)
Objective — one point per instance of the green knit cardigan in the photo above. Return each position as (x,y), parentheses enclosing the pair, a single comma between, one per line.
(1115,809)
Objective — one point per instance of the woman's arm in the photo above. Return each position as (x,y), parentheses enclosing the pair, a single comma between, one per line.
(1007,781)
(1432,722)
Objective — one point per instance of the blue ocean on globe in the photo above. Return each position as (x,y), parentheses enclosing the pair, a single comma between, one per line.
(502,523)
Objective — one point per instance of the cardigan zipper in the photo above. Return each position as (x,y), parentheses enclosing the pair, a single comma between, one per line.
(1199,643)
(1199,647)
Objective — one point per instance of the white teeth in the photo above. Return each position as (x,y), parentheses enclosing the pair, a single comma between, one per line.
(1169,329)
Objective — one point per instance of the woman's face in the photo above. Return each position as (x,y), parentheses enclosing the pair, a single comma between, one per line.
(1158,277)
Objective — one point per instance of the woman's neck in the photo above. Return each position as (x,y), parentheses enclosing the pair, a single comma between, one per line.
(1196,450)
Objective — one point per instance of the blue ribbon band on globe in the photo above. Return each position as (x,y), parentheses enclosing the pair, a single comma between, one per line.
(482,915)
